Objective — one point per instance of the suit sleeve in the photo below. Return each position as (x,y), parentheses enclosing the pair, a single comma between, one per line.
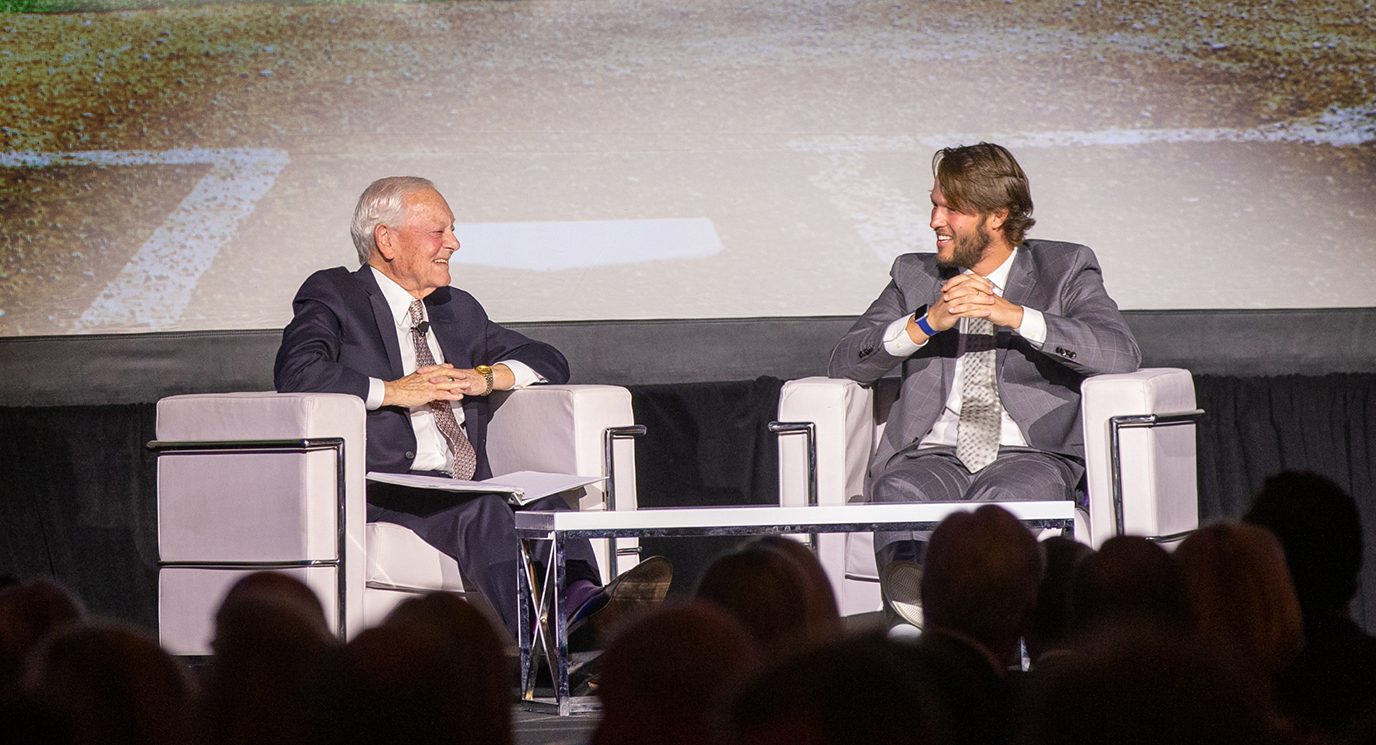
(312,344)
(860,355)
(1089,334)
(504,344)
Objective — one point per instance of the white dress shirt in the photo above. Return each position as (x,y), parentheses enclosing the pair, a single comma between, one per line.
(432,451)
(897,342)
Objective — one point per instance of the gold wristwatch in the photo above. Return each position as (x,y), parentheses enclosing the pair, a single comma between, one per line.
(486,372)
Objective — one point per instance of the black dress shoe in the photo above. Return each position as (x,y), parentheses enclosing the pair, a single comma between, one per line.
(638,589)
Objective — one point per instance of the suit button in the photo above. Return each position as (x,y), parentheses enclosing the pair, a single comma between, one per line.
(410,455)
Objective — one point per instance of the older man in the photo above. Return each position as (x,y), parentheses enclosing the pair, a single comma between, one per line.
(994,333)
(397,335)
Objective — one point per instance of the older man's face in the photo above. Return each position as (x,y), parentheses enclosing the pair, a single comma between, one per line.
(418,251)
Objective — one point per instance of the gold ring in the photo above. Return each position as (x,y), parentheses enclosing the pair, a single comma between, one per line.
(451,380)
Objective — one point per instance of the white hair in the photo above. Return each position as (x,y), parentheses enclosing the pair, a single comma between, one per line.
(382,203)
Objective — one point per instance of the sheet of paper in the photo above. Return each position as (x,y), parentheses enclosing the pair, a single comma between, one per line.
(521,487)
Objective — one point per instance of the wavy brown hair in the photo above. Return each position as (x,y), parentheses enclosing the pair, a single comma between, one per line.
(985,178)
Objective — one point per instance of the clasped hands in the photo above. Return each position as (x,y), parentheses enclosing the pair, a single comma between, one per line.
(967,295)
(442,382)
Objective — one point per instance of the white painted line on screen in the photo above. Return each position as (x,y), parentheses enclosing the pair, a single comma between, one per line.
(551,246)
(157,284)
(890,223)
(1337,126)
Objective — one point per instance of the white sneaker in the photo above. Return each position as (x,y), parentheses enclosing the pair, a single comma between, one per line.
(901,586)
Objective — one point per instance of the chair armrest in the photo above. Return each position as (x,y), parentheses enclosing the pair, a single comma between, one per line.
(843,414)
(1160,490)
(561,429)
(258,507)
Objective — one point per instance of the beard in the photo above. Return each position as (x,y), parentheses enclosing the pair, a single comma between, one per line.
(969,248)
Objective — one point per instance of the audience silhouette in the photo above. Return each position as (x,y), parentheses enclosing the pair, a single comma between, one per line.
(979,589)
(1242,598)
(778,593)
(668,677)
(270,636)
(849,691)
(1330,688)
(114,685)
(1243,635)
(1130,580)
(1048,635)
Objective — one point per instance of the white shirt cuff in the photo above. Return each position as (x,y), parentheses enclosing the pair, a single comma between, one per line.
(525,376)
(896,339)
(376,390)
(1033,327)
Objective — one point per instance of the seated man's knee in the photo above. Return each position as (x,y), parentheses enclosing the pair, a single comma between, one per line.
(923,479)
(1024,480)
(892,487)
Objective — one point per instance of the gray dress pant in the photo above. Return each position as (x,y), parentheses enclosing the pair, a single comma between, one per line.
(934,474)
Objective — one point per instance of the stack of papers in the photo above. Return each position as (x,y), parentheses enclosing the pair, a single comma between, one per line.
(521,487)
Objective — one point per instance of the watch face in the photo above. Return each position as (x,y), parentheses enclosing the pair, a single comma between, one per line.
(482,369)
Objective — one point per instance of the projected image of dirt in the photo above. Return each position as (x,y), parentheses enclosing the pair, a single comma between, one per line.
(65,237)
(186,167)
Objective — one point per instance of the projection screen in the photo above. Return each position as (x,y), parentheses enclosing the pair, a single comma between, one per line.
(184,166)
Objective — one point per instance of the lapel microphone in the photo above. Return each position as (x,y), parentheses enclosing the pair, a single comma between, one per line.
(423,327)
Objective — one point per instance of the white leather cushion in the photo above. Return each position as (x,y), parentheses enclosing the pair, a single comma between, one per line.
(251,506)
(1158,464)
(399,558)
(189,597)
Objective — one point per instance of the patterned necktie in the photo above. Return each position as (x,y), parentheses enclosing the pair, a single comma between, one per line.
(465,459)
(977,435)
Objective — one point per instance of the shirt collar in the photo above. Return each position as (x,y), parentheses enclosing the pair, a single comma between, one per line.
(1000,275)
(398,300)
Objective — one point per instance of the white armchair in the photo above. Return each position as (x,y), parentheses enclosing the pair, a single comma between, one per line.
(251,481)
(1140,466)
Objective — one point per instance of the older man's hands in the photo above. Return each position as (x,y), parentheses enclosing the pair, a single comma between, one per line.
(443,383)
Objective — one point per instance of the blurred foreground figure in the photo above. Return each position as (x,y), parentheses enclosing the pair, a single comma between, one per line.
(30,611)
(1243,601)
(668,678)
(113,685)
(270,636)
(1331,686)
(1137,686)
(979,591)
(433,673)
(779,594)
(853,691)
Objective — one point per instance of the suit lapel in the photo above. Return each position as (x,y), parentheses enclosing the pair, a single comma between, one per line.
(1022,277)
(382,317)
(449,329)
(1022,283)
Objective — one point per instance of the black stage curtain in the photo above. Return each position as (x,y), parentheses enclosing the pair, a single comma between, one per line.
(78,503)
(1255,427)
(77,492)
(705,444)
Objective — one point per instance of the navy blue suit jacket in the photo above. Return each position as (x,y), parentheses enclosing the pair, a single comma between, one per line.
(343,333)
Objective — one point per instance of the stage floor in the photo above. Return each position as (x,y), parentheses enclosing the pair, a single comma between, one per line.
(531,728)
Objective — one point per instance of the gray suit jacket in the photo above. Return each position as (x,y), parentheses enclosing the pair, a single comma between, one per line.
(1040,388)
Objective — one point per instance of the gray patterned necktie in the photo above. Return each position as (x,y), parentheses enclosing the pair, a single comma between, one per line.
(465,459)
(977,434)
